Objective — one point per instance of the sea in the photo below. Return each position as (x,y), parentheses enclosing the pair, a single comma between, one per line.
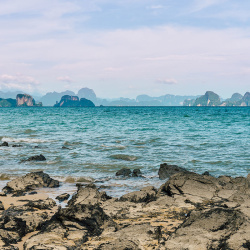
(85,145)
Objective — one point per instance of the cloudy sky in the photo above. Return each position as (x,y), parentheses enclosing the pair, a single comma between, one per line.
(125,47)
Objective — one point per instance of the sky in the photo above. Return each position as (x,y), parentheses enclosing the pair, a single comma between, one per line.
(125,48)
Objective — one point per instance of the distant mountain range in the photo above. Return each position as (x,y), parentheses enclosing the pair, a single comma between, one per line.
(212,99)
(208,99)
(142,100)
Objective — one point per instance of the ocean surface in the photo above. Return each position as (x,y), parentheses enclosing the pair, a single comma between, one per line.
(99,141)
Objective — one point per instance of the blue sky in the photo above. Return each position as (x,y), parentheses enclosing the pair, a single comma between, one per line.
(125,48)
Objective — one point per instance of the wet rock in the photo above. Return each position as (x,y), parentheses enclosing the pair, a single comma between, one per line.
(63,197)
(64,147)
(166,171)
(4,144)
(123,172)
(211,229)
(137,173)
(36,158)
(146,194)
(1,206)
(17,146)
(29,182)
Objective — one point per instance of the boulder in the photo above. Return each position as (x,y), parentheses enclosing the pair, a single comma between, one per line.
(137,173)
(166,170)
(123,172)
(63,197)
(4,144)
(29,182)
(146,194)
(36,158)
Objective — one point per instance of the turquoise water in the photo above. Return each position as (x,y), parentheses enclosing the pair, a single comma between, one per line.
(102,140)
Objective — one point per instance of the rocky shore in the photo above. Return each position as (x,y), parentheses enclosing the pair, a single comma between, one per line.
(189,211)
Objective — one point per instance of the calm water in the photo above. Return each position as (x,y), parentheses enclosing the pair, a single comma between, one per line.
(216,139)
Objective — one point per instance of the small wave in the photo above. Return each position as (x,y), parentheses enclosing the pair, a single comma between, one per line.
(124,157)
(28,140)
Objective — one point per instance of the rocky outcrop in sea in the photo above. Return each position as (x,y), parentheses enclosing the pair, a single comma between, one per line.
(73,101)
(189,211)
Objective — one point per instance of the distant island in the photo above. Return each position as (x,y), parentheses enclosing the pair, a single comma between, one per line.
(87,98)
(73,101)
(212,99)
(22,100)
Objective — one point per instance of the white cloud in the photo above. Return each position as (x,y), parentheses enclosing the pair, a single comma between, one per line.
(167,81)
(18,82)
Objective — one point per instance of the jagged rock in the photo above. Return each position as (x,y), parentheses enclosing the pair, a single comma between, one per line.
(211,229)
(88,195)
(41,204)
(146,194)
(72,225)
(166,170)
(123,172)
(4,144)
(191,185)
(137,173)
(17,221)
(2,194)
(63,197)
(29,182)
(36,158)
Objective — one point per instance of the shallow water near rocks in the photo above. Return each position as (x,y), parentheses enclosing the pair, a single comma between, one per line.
(100,141)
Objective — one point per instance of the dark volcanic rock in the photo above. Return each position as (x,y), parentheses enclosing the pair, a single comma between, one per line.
(137,173)
(166,170)
(63,197)
(123,172)
(146,194)
(4,144)
(17,146)
(29,182)
(36,158)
